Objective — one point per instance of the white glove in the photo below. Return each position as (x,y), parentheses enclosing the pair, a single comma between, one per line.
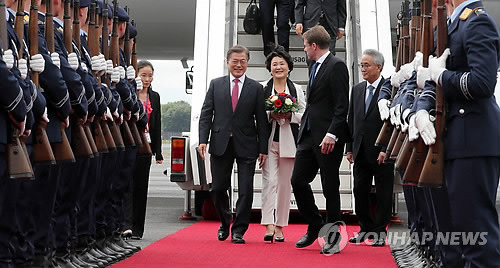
(395,80)
(438,65)
(84,67)
(96,63)
(392,113)
(115,75)
(136,115)
(122,72)
(425,127)
(22,65)
(418,60)
(404,125)
(55,59)
(8,58)
(130,72)
(45,117)
(138,81)
(412,129)
(383,108)
(405,72)
(109,116)
(423,75)
(73,61)
(109,67)
(37,63)
(397,115)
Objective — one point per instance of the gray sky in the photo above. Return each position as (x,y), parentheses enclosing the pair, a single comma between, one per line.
(169,80)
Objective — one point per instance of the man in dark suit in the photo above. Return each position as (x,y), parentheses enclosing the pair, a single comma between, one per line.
(322,135)
(284,9)
(331,14)
(365,124)
(234,115)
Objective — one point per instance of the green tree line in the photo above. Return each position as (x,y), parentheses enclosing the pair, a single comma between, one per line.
(175,117)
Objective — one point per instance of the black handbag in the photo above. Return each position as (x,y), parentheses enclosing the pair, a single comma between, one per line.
(252,22)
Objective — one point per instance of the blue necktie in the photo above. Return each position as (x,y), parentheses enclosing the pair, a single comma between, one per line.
(369,98)
(313,74)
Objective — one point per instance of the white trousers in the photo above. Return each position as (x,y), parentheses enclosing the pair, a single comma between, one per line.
(276,187)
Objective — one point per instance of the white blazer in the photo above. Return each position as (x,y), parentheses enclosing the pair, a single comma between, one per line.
(287,142)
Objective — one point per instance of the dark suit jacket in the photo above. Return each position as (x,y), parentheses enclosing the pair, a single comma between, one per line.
(155,123)
(308,13)
(328,102)
(248,123)
(364,127)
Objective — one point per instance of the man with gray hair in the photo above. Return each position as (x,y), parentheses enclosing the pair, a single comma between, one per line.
(365,124)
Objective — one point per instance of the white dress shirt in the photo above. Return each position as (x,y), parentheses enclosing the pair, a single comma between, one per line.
(240,84)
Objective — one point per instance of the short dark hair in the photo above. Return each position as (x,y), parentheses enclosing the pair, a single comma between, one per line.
(144,63)
(280,52)
(237,49)
(318,35)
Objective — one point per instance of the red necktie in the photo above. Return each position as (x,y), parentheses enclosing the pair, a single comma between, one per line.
(234,96)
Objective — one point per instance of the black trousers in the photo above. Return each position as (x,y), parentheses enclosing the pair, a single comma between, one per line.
(73,176)
(9,192)
(308,160)
(102,199)
(222,167)
(365,169)
(86,217)
(120,187)
(138,196)
(471,185)
(284,10)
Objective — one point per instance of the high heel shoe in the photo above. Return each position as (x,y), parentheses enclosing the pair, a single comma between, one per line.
(279,239)
(269,237)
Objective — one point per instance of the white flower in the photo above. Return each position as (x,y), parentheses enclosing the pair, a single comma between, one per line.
(288,102)
(274,98)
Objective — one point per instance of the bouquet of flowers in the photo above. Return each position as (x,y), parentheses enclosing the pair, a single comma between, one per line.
(282,103)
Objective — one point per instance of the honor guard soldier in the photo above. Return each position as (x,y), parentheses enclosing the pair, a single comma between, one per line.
(467,73)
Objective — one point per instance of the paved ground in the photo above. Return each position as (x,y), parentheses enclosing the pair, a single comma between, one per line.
(166,204)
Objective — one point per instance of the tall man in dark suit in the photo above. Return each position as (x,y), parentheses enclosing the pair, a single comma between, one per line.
(234,115)
(322,135)
(365,124)
(331,14)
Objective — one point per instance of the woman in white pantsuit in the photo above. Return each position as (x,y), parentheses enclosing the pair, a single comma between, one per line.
(277,171)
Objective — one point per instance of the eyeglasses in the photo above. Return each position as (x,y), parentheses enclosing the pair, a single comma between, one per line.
(235,62)
(365,65)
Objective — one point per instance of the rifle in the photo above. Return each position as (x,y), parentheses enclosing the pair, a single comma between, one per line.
(415,39)
(145,149)
(18,162)
(386,131)
(127,51)
(405,21)
(19,26)
(114,55)
(433,170)
(419,150)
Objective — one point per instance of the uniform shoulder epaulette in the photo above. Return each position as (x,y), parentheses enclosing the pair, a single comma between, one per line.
(480,11)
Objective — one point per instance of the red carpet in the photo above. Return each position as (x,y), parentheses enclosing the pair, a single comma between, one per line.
(197,246)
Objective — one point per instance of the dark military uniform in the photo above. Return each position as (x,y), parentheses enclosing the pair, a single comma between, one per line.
(472,138)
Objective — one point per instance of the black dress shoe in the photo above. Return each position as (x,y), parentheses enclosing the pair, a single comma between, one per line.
(360,237)
(223,233)
(237,238)
(329,249)
(378,242)
(306,240)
